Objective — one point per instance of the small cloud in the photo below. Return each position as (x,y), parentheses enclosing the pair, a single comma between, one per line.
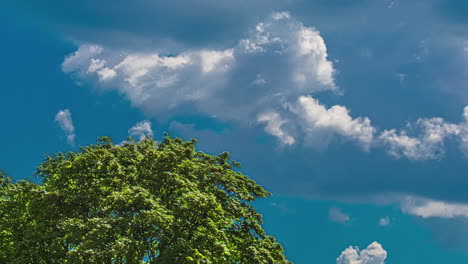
(320,122)
(274,126)
(141,130)
(337,216)
(385,221)
(64,119)
(373,254)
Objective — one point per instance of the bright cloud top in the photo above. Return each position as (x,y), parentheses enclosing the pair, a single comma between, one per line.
(235,83)
(318,122)
(424,139)
(64,119)
(373,254)
(429,144)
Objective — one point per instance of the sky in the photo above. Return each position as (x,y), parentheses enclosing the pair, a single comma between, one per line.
(354,114)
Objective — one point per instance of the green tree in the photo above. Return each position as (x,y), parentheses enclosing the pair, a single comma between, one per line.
(139,202)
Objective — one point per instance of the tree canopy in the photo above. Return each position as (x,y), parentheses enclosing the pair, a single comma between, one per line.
(138,202)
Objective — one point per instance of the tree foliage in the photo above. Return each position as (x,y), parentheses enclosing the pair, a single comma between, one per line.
(139,202)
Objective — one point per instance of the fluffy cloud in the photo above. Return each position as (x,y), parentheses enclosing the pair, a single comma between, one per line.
(239,83)
(373,254)
(225,83)
(64,119)
(337,216)
(152,81)
(422,140)
(141,130)
(428,145)
(273,126)
(318,122)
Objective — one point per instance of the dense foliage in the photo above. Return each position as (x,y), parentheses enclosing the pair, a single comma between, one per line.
(139,202)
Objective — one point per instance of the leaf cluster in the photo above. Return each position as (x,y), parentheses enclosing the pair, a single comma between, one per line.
(138,202)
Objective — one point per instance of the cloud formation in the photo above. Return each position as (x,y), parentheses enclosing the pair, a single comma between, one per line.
(64,119)
(141,130)
(373,254)
(429,144)
(235,83)
(239,84)
(319,123)
(273,125)
(337,216)
(428,208)
(424,139)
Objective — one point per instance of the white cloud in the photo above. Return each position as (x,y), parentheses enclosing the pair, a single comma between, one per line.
(64,119)
(385,221)
(279,51)
(141,130)
(82,58)
(337,216)
(152,81)
(309,68)
(312,59)
(428,145)
(317,121)
(277,66)
(463,132)
(427,208)
(430,142)
(212,60)
(273,126)
(373,254)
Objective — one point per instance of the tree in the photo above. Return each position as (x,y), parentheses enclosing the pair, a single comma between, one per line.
(139,202)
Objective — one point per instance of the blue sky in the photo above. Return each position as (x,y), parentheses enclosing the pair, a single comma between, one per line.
(351,112)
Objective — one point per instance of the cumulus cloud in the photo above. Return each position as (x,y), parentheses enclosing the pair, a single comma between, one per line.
(428,208)
(226,83)
(428,145)
(318,122)
(424,139)
(64,119)
(337,216)
(141,130)
(373,254)
(239,83)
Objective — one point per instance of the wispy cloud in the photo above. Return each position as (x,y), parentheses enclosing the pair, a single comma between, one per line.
(64,119)
(384,221)
(141,130)
(428,208)
(337,216)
